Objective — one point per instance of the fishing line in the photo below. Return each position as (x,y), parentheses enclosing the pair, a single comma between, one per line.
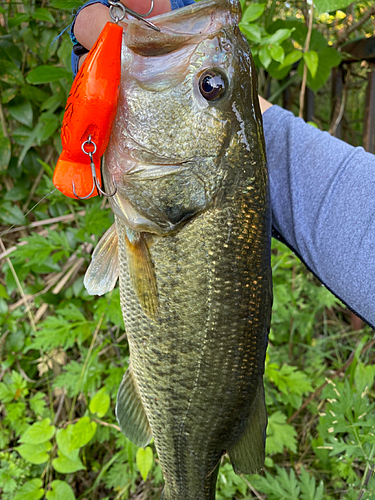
(27,213)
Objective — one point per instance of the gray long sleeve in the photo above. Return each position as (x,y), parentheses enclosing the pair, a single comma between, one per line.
(323,206)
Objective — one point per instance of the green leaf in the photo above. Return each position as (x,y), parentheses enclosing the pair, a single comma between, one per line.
(312,60)
(43,15)
(100,403)
(66,465)
(280,36)
(40,432)
(18,19)
(83,431)
(253,11)
(60,491)
(291,58)
(330,5)
(38,403)
(63,439)
(32,490)
(3,292)
(280,434)
(71,439)
(265,56)
(288,379)
(9,73)
(22,112)
(5,153)
(328,59)
(283,486)
(34,94)
(277,53)
(144,460)
(35,453)
(309,491)
(11,214)
(9,94)
(66,4)
(16,193)
(46,74)
(251,31)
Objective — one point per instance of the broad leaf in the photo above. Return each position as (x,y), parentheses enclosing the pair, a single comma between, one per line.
(9,73)
(253,12)
(60,491)
(40,432)
(251,31)
(66,465)
(43,15)
(312,60)
(265,56)
(280,36)
(100,403)
(32,490)
(277,53)
(328,59)
(144,460)
(5,153)
(83,431)
(291,58)
(66,4)
(329,5)
(22,112)
(35,453)
(46,74)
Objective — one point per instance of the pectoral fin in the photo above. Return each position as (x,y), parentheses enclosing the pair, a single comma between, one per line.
(142,272)
(102,274)
(130,412)
(247,455)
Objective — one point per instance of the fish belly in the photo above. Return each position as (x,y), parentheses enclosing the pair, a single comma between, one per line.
(199,364)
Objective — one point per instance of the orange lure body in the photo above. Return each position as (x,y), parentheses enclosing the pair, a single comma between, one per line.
(90,111)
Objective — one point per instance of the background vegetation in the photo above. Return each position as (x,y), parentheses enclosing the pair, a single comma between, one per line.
(63,353)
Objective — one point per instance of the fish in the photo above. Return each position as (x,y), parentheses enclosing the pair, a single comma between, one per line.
(190,246)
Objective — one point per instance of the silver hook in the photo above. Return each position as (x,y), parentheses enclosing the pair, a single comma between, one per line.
(116,4)
(95,181)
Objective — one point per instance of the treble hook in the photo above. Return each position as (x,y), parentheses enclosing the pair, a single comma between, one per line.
(96,183)
(115,4)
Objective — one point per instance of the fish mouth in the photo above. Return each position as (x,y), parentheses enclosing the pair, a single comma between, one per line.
(180,26)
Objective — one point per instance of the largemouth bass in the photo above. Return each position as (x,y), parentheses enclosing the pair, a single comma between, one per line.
(191,245)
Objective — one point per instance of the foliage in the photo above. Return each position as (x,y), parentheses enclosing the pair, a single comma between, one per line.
(63,353)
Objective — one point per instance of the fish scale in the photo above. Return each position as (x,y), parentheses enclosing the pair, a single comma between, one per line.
(192,235)
(197,353)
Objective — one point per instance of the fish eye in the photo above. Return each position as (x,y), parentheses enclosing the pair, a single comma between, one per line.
(212,85)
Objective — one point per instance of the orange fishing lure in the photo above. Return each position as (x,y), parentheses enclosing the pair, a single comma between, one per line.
(89,114)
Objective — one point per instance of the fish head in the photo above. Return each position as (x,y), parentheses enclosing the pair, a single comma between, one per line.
(187,110)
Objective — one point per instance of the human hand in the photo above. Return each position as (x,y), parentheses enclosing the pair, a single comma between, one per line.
(264,105)
(92,19)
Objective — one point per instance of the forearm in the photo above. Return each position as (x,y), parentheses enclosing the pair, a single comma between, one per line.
(323,206)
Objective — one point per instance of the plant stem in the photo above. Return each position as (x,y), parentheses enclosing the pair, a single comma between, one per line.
(306,49)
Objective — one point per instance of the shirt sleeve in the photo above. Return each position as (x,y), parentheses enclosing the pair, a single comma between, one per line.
(323,206)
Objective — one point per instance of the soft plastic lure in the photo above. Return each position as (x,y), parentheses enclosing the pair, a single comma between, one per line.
(89,114)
